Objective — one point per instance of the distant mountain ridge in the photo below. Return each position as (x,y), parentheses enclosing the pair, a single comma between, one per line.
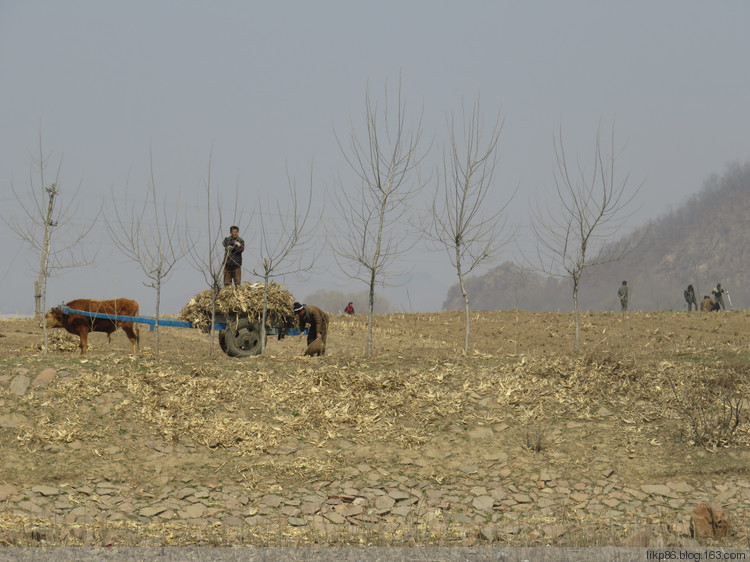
(704,241)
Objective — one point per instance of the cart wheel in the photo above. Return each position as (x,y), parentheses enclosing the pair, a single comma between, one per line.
(244,340)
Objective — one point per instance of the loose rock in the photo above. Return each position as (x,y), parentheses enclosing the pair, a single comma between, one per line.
(709,520)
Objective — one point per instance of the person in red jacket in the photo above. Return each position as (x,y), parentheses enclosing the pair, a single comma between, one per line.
(349,308)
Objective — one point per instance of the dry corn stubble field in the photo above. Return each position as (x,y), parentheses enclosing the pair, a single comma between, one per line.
(520,414)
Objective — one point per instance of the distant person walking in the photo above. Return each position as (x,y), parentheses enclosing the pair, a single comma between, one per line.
(718,294)
(690,299)
(233,248)
(624,293)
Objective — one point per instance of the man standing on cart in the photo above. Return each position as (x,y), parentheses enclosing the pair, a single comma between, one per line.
(233,248)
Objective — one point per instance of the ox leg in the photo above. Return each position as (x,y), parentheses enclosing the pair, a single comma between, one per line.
(133,336)
(84,335)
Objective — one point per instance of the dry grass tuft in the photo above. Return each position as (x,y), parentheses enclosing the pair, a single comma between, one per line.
(59,341)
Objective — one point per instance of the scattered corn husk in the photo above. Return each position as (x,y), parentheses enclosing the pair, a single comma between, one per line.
(59,341)
(244,301)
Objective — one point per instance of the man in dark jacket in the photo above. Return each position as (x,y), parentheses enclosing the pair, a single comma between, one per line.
(316,318)
(233,248)
(689,295)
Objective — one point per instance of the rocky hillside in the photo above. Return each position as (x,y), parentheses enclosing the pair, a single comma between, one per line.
(704,240)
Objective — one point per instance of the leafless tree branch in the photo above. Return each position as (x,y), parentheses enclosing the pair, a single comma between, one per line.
(288,245)
(156,245)
(371,233)
(56,233)
(211,262)
(459,220)
(574,229)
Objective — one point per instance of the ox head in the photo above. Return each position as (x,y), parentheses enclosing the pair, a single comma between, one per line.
(54,318)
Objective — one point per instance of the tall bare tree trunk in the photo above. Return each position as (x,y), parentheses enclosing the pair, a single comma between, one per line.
(373,236)
(152,245)
(288,246)
(573,230)
(465,294)
(576,317)
(40,286)
(264,314)
(461,218)
(156,322)
(370,312)
(37,220)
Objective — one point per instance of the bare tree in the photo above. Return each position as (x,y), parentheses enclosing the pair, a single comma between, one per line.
(147,235)
(50,230)
(287,245)
(370,236)
(459,220)
(211,263)
(574,230)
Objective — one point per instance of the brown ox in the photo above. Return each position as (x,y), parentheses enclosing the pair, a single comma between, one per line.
(708,304)
(81,325)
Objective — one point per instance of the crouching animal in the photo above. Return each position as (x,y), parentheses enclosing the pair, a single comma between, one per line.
(708,304)
(80,325)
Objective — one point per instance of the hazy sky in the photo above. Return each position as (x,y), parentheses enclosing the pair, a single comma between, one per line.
(265,84)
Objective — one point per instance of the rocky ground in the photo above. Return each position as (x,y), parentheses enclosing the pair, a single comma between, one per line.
(603,508)
(503,446)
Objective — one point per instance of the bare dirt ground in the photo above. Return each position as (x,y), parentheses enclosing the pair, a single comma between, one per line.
(518,442)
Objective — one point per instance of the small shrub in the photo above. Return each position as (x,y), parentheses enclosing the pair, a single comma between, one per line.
(536,439)
(712,408)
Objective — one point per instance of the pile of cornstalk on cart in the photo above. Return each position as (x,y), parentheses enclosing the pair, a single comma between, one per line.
(245,300)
